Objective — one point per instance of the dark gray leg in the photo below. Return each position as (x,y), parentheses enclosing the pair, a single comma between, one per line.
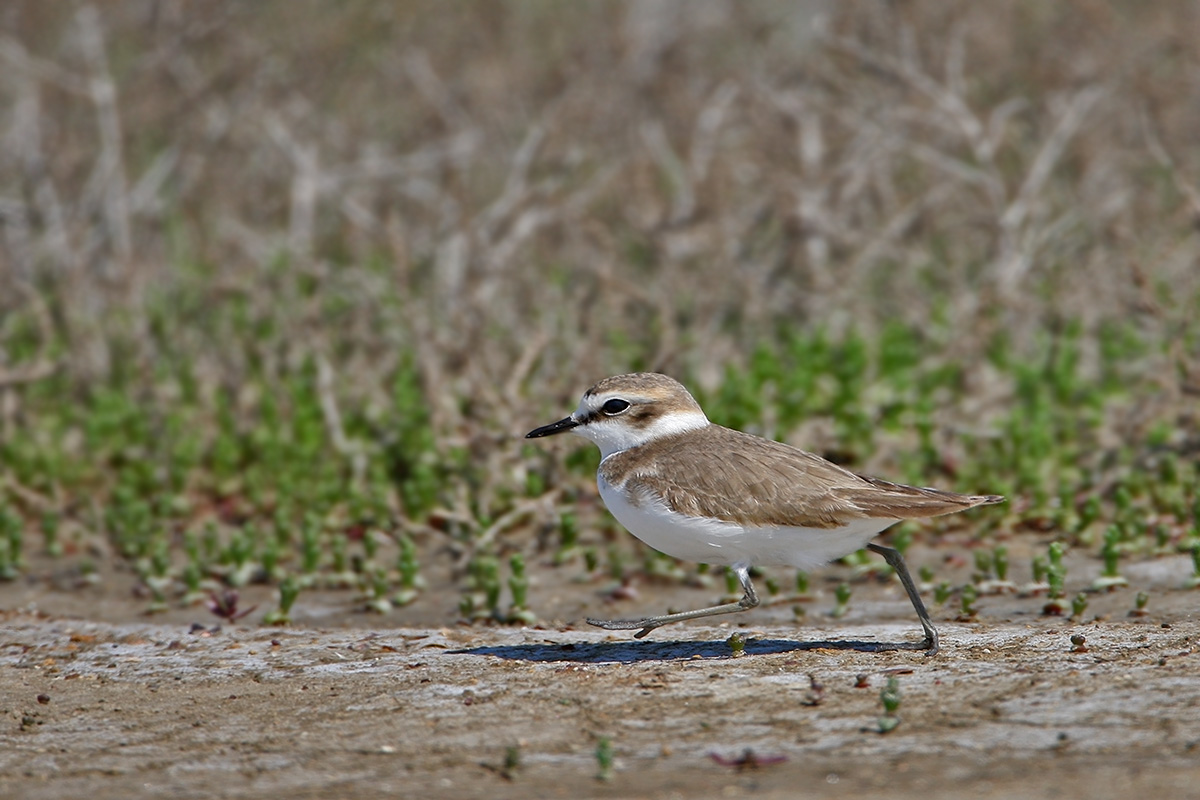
(896,562)
(749,600)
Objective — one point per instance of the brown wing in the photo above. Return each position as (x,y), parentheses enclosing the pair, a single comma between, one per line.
(744,479)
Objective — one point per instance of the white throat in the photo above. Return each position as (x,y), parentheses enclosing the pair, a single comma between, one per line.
(615,434)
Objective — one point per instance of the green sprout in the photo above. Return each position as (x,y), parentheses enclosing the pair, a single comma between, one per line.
(969,596)
(490,583)
(1162,539)
(988,562)
(269,559)
(942,592)
(237,557)
(1088,514)
(568,539)
(50,523)
(10,545)
(518,584)
(1056,578)
(616,563)
(411,582)
(732,585)
(512,761)
(1056,575)
(1079,606)
(737,644)
(482,598)
(157,574)
(1111,577)
(378,587)
(842,595)
(370,544)
(863,564)
(1194,581)
(289,590)
(1040,569)
(1123,499)
(158,599)
(1139,605)
(310,546)
(341,574)
(604,759)
(1000,562)
(88,574)
(660,565)
(193,583)
(983,566)
(1056,552)
(890,697)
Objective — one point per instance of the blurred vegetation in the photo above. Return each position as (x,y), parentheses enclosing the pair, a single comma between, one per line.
(283,283)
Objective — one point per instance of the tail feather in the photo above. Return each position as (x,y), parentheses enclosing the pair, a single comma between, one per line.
(886,499)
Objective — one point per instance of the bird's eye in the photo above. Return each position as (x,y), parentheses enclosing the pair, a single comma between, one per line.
(614,406)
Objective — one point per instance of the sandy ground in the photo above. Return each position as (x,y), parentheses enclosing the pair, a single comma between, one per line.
(356,705)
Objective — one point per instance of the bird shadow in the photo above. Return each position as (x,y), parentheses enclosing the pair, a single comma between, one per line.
(635,652)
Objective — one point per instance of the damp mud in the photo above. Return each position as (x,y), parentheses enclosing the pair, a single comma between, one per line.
(101,701)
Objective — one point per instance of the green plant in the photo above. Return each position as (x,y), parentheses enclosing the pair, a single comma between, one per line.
(1194,581)
(1111,577)
(289,590)
(1140,602)
(983,566)
(1000,562)
(568,538)
(482,598)
(890,698)
(968,597)
(842,596)
(50,526)
(378,588)
(733,587)
(10,544)
(1079,606)
(1056,574)
(411,582)
(518,584)
(942,592)
(604,759)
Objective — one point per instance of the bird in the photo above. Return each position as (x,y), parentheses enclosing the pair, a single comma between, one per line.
(698,491)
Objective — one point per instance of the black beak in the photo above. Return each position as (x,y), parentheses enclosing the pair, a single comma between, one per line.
(553,428)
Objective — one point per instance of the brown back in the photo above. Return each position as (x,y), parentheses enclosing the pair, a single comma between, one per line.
(747,480)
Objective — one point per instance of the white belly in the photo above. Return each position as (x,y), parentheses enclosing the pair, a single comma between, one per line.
(711,541)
